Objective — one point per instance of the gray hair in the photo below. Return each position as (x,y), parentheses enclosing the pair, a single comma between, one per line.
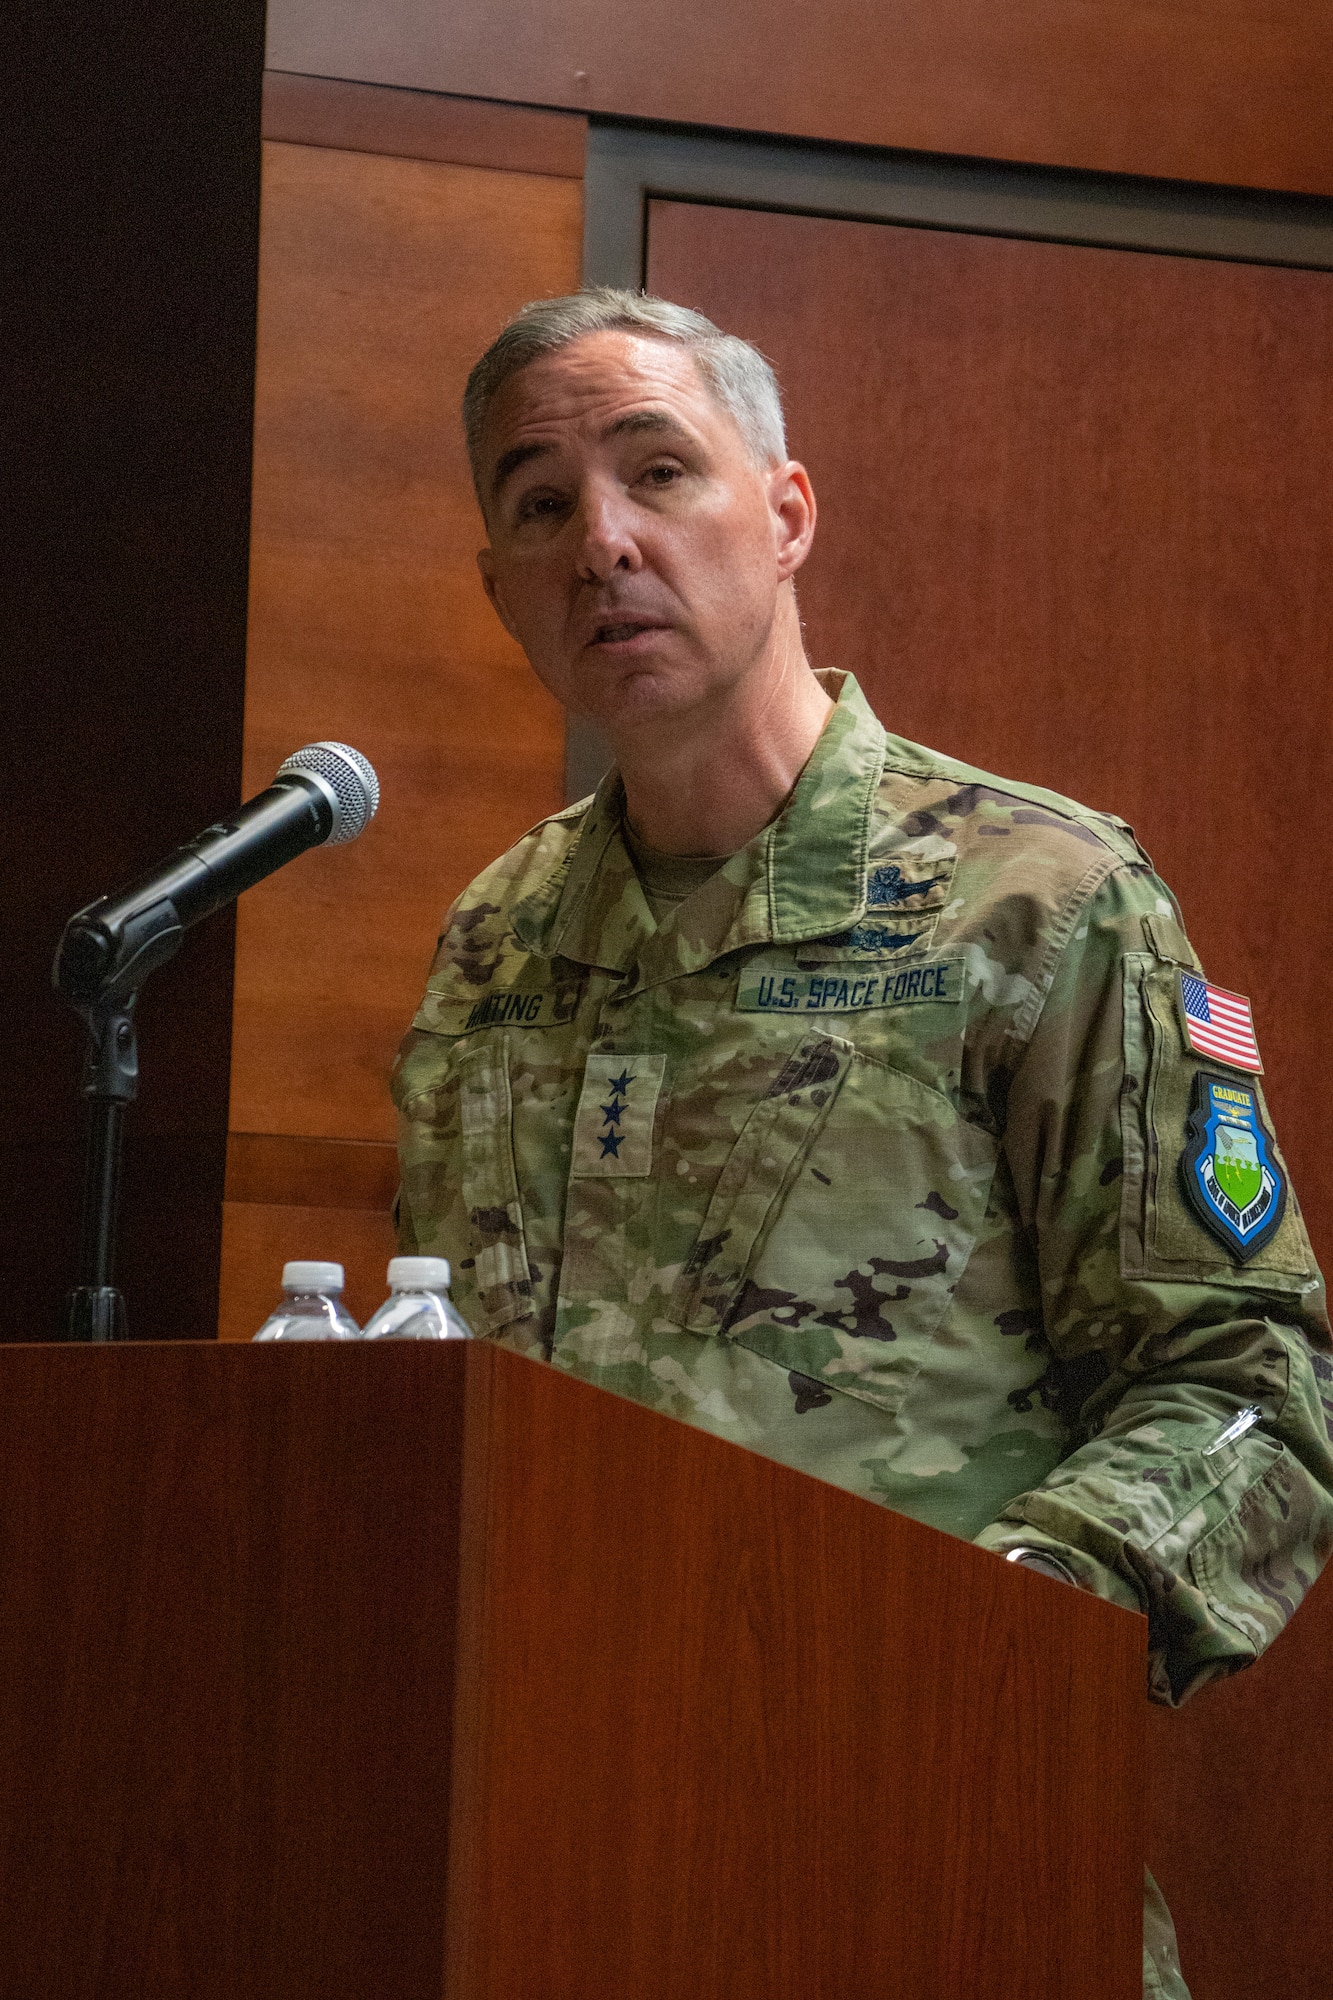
(739,377)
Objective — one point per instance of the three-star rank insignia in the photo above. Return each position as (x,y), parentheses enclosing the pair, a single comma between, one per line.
(617,1109)
(1228,1171)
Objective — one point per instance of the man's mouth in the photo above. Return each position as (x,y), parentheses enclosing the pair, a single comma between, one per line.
(615,632)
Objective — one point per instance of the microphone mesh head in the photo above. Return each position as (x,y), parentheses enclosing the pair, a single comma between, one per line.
(350,777)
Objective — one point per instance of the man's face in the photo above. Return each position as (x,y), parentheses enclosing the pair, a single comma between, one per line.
(637,550)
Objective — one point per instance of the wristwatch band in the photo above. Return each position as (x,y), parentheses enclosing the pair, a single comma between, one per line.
(1045,1562)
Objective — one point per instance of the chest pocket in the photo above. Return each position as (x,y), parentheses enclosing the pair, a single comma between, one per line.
(841,1223)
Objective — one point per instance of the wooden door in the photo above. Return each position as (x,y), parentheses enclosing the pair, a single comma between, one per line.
(1077,527)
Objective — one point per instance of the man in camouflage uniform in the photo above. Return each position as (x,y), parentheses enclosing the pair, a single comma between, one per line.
(831,1094)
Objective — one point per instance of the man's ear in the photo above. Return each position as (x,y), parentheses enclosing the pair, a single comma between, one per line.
(486,565)
(792,499)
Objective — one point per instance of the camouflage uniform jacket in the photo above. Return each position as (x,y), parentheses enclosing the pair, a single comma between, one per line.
(867,1159)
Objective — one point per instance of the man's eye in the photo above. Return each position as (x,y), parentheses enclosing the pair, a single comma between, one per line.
(662,475)
(539,506)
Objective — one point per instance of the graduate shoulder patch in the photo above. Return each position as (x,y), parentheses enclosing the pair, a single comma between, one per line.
(1230,1176)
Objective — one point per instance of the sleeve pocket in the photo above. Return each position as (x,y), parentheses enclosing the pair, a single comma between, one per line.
(1160,1237)
(1256,1565)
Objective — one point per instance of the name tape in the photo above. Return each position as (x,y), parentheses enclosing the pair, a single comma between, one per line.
(527,1010)
(442,1014)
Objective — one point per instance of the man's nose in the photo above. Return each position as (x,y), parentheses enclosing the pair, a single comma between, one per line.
(607,541)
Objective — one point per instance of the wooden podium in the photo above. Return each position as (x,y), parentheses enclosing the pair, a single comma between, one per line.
(393,1672)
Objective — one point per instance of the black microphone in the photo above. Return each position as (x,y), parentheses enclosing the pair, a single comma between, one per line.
(325,794)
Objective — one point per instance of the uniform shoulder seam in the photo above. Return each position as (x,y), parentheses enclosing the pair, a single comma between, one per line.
(911,760)
(578,809)
(1089,885)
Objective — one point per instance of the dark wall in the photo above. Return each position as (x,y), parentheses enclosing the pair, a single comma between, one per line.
(127,370)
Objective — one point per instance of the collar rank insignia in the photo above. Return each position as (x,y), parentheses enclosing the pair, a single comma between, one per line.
(1218,1024)
(1228,1170)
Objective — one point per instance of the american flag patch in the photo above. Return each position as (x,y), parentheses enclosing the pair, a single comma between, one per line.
(1218,1023)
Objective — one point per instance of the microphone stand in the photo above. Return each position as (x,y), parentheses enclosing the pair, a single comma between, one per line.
(100,975)
(325,792)
(96,1310)
(105,954)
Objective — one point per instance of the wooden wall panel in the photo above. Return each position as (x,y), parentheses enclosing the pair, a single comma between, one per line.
(1077,527)
(1215,90)
(421,125)
(381,279)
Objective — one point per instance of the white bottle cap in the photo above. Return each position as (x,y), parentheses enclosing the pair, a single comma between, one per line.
(312,1277)
(427,1274)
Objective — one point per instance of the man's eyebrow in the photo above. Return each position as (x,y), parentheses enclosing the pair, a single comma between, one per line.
(637,420)
(649,420)
(510,461)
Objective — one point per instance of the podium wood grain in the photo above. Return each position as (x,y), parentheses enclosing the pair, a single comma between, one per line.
(227,1580)
(720,1728)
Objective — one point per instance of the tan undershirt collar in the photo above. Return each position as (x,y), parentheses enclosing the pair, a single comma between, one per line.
(667,879)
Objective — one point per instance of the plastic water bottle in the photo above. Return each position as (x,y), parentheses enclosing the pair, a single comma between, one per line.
(418,1306)
(312,1306)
